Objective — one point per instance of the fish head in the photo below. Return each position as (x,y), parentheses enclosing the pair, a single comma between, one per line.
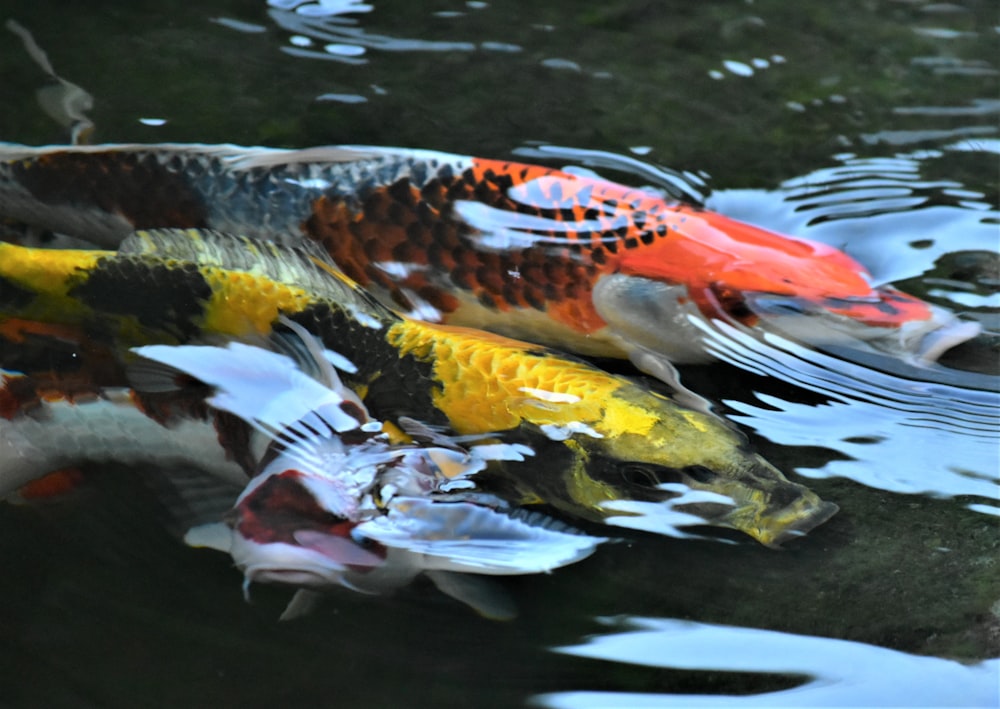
(655,457)
(887,321)
(286,533)
(295,522)
(710,267)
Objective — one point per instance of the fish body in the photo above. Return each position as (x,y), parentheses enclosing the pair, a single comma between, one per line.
(559,258)
(324,499)
(44,429)
(608,440)
(333,501)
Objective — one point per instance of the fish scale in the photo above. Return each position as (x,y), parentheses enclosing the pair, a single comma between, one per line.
(475,382)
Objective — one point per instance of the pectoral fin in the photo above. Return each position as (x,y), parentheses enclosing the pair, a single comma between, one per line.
(472,538)
(484,596)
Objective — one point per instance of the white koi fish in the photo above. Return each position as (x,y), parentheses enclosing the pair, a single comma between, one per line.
(336,503)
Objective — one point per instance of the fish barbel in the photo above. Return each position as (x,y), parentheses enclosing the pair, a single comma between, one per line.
(558,258)
(616,451)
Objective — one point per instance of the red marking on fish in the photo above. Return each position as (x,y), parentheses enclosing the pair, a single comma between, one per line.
(56,483)
(281,506)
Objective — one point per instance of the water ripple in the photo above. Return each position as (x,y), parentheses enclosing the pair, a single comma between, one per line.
(897,434)
(838,672)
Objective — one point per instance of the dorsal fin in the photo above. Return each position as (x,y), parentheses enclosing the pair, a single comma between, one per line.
(305,265)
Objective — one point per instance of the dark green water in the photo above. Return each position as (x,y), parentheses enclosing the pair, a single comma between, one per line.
(872,126)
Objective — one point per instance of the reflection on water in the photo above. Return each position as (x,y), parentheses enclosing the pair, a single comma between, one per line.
(872,418)
(834,155)
(680,185)
(840,673)
(902,224)
(321,31)
(881,210)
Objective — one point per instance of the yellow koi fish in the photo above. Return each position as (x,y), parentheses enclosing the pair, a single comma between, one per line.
(616,451)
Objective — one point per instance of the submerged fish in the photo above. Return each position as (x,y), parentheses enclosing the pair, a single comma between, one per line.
(615,450)
(334,503)
(330,500)
(553,257)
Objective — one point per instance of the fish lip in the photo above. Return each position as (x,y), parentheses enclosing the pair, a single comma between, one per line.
(289,576)
(820,513)
(940,340)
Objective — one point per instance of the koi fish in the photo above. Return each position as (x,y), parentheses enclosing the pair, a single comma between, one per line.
(617,451)
(330,501)
(559,258)
(334,503)
(45,429)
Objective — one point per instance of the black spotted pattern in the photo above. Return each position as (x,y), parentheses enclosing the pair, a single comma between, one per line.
(395,385)
(162,297)
(134,185)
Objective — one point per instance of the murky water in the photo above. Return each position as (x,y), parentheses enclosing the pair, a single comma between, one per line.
(872,127)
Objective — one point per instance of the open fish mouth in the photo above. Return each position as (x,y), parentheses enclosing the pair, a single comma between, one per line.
(651,316)
(770,525)
(768,507)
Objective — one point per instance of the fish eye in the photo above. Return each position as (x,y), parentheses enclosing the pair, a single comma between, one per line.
(700,474)
(649,476)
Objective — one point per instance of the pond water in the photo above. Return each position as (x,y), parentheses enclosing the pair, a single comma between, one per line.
(871,126)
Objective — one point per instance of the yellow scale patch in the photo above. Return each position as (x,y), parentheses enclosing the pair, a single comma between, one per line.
(486,383)
(244,303)
(46,271)
(52,273)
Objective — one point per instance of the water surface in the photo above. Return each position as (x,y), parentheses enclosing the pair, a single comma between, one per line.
(872,127)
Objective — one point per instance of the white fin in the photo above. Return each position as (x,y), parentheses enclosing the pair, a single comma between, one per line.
(216,535)
(261,387)
(658,365)
(470,538)
(321,364)
(480,594)
(302,604)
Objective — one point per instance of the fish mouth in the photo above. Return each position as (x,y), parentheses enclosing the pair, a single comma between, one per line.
(283,573)
(773,528)
(649,315)
(889,321)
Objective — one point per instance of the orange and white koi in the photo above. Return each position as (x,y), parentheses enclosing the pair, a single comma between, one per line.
(553,257)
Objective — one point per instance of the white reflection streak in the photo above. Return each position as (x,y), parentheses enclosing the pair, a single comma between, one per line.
(840,672)
(871,416)
(681,185)
(333,28)
(500,230)
(662,517)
